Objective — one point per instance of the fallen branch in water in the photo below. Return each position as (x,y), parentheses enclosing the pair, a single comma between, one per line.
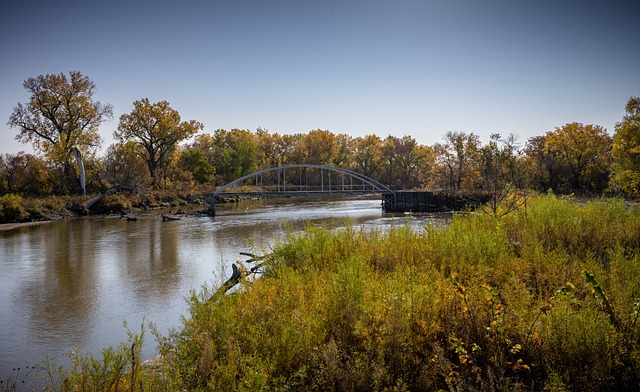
(238,275)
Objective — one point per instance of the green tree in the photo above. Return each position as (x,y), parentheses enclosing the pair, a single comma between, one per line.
(205,143)
(60,114)
(625,176)
(158,128)
(236,153)
(195,162)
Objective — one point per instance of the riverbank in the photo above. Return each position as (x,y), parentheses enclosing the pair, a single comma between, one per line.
(17,211)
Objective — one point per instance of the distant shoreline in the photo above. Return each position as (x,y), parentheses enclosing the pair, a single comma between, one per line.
(13,226)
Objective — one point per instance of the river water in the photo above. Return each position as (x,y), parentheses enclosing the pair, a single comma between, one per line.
(70,284)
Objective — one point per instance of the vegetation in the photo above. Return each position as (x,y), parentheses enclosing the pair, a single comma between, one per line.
(157,128)
(59,116)
(626,151)
(542,299)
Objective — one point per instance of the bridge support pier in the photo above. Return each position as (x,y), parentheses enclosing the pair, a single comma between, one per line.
(429,202)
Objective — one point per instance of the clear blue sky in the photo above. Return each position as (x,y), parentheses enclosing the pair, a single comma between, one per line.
(399,67)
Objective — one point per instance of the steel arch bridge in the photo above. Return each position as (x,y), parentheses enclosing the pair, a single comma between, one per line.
(302,180)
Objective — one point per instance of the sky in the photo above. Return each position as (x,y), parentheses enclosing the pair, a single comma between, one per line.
(385,67)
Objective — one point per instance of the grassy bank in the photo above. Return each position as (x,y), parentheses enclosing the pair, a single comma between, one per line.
(542,299)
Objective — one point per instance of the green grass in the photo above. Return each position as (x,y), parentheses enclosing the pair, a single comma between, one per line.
(542,299)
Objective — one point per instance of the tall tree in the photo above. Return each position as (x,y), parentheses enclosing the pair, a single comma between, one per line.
(367,153)
(317,147)
(158,128)
(275,149)
(625,176)
(205,143)
(61,114)
(236,153)
(582,154)
(410,159)
(537,164)
(343,150)
(124,165)
(388,166)
(458,157)
(195,162)
(501,174)
(25,174)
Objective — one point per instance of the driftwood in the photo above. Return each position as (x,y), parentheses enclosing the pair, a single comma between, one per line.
(108,192)
(99,197)
(238,275)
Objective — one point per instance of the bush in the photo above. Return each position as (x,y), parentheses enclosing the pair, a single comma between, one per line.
(12,209)
(112,204)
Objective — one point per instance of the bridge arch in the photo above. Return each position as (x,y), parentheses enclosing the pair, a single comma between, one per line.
(305,179)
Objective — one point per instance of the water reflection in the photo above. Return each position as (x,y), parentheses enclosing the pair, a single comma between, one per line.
(70,284)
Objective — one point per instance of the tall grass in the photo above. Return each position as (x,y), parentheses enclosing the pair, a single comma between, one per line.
(546,299)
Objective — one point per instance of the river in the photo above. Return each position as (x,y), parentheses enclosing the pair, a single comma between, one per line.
(70,284)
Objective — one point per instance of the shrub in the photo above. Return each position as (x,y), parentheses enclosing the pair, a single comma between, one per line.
(12,209)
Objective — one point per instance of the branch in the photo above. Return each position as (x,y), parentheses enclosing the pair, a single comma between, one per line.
(238,275)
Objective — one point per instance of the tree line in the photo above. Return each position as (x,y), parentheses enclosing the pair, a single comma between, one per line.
(156,149)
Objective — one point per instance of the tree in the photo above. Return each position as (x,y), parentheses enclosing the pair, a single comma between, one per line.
(582,156)
(24,174)
(60,114)
(625,176)
(458,157)
(206,144)
(195,162)
(389,154)
(343,150)
(318,147)
(501,174)
(367,153)
(158,128)
(124,165)
(410,159)
(275,149)
(236,153)
(537,164)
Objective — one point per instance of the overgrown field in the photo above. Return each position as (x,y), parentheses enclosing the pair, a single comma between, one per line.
(545,298)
